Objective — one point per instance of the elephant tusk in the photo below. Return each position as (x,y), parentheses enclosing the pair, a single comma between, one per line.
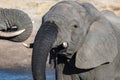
(28,45)
(65,44)
(11,34)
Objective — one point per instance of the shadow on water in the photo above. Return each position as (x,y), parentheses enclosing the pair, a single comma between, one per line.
(23,75)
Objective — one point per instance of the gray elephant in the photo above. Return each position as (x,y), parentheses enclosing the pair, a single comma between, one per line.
(84,43)
(111,16)
(15,25)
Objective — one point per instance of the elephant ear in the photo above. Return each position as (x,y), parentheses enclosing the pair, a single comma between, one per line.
(99,47)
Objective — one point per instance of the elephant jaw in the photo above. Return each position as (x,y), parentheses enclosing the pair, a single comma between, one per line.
(11,34)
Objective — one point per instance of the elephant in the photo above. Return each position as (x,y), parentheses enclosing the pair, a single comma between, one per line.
(84,44)
(15,25)
(111,16)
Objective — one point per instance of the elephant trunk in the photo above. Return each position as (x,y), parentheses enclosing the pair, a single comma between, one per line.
(16,23)
(43,43)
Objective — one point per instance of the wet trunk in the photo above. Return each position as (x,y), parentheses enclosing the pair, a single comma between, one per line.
(42,45)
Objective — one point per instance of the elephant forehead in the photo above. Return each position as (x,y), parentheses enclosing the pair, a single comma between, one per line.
(64,9)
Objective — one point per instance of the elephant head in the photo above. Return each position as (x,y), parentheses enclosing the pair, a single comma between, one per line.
(88,34)
(15,25)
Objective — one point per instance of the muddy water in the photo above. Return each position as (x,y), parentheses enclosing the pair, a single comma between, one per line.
(23,75)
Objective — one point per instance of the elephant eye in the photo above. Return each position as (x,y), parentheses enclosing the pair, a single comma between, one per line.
(75,26)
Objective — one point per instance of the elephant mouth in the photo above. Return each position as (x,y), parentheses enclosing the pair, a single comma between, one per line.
(8,29)
(60,48)
(56,52)
(12,29)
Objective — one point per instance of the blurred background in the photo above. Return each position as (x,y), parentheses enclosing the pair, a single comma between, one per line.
(15,55)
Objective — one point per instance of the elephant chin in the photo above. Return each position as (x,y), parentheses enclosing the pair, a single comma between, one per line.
(11,34)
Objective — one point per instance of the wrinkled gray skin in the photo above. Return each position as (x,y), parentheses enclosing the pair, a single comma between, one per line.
(93,51)
(17,19)
(111,16)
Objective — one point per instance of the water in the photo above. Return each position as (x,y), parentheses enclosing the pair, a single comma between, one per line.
(26,75)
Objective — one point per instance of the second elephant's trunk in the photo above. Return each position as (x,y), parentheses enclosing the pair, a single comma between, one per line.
(43,43)
(14,20)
